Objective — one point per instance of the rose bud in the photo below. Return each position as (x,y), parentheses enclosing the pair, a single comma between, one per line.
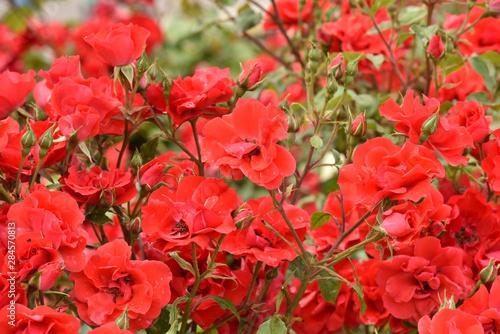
(358,127)
(250,76)
(436,47)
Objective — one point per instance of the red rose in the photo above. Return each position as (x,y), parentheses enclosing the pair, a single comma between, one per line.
(491,164)
(472,224)
(41,319)
(259,243)
(485,306)
(109,328)
(410,115)
(471,115)
(35,253)
(405,222)
(450,321)
(376,313)
(381,169)
(90,186)
(198,211)
(61,67)
(100,94)
(111,282)
(194,96)
(415,284)
(57,217)
(10,159)
(14,88)
(85,120)
(119,44)
(463,82)
(244,143)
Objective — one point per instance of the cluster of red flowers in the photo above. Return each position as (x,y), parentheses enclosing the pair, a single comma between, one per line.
(336,184)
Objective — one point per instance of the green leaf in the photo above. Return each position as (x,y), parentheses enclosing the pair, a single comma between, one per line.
(378,4)
(162,324)
(411,14)
(317,142)
(492,56)
(225,303)
(451,64)
(486,70)
(183,263)
(319,219)
(85,150)
(99,216)
(298,268)
(247,18)
(481,97)
(377,60)
(148,149)
(128,73)
(272,325)
(403,37)
(330,289)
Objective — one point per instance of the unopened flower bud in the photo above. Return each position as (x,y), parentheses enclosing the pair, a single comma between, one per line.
(123,321)
(358,126)
(45,142)
(250,76)
(142,63)
(436,47)
(489,273)
(28,140)
(107,198)
(39,114)
(494,6)
(136,161)
(429,127)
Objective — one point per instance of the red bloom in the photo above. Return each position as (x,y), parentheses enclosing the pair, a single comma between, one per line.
(119,44)
(485,306)
(35,253)
(85,120)
(450,321)
(244,143)
(471,115)
(61,67)
(259,243)
(405,221)
(109,328)
(194,96)
(99,94)
(381,169)
(449,139)
(410,115)
(90,186)
(472,224)
(57,217)
(415,284)
(14,88)
(376,313)
(491,165)
(199,210)
(41,319)
(111,282)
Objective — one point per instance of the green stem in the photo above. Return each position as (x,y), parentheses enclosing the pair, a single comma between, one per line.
(6,194)
(197,282)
